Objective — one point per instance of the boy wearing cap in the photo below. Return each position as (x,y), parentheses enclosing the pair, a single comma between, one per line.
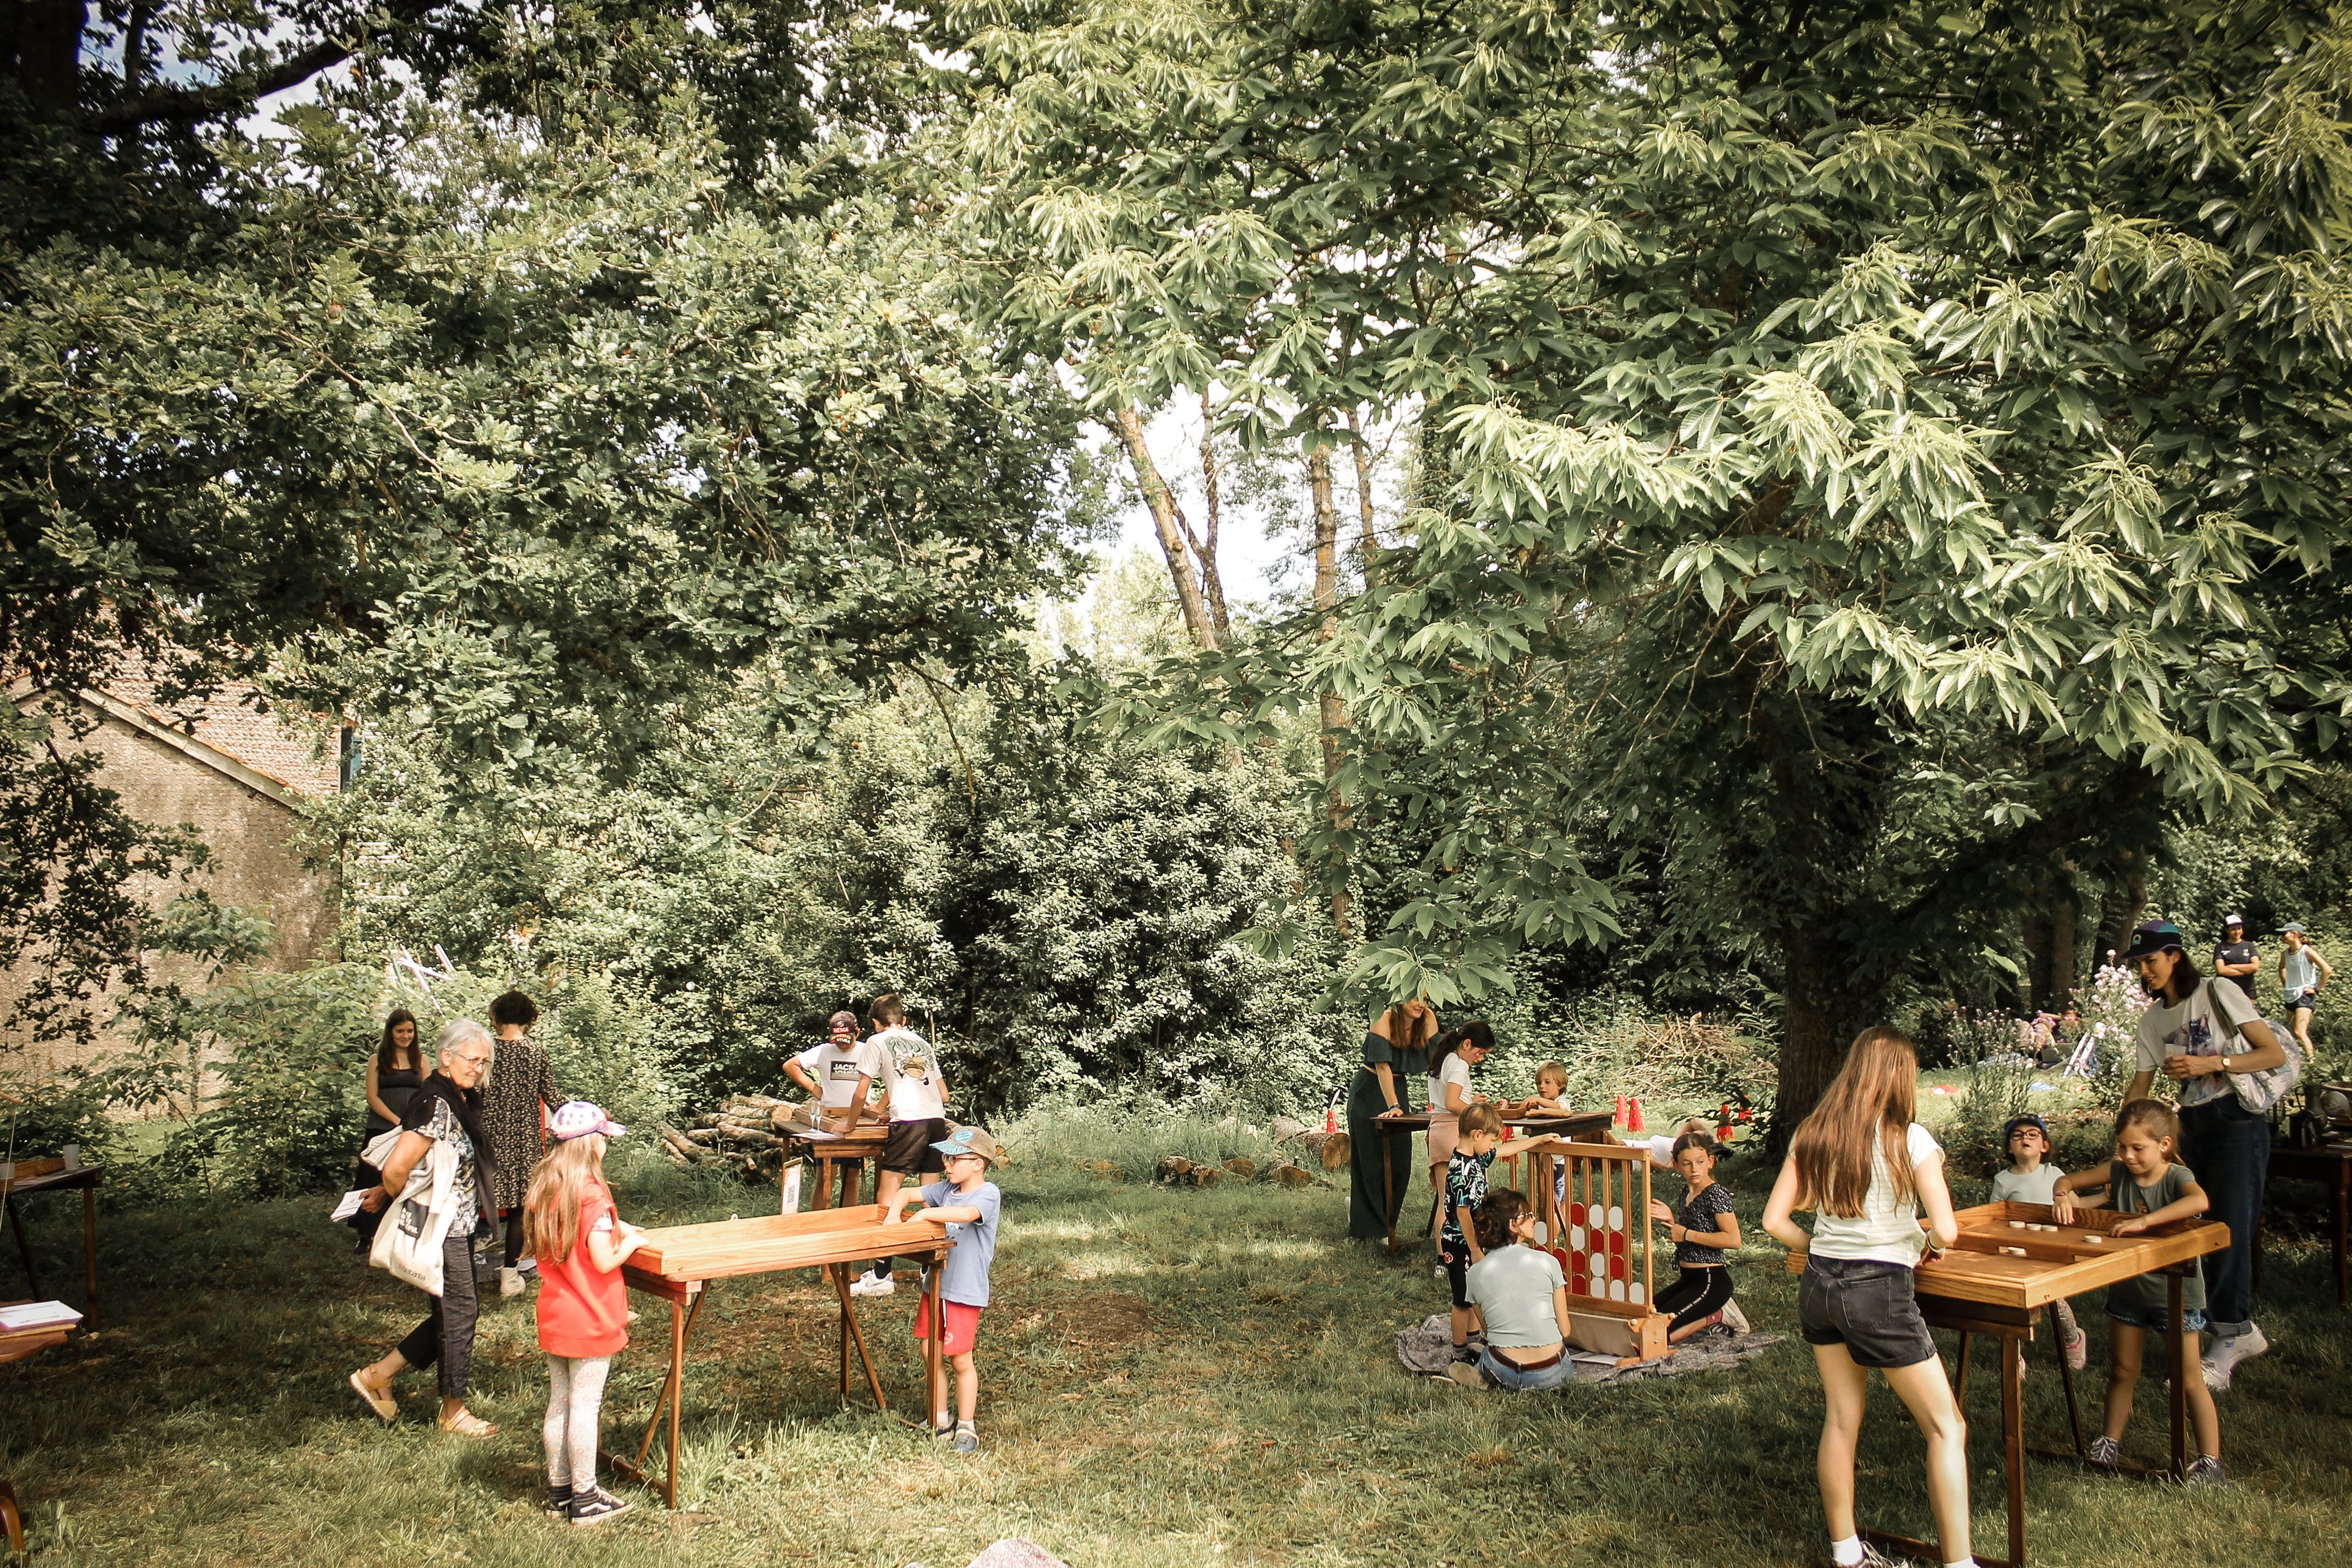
(2301,972)
(845,1068)
(968,1204)
(2236,959)
(2031,1179)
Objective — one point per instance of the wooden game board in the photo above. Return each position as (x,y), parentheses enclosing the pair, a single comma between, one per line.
(678,1264)
(1998,1279)
(1592,1124)
(1602,1237)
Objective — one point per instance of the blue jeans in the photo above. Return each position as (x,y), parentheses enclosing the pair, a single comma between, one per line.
(2230,1150)
(1512,1381)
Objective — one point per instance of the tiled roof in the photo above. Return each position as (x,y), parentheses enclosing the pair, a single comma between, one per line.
(303,754)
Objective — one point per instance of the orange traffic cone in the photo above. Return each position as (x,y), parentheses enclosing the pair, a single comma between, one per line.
(1635,1125)
(1620,1118)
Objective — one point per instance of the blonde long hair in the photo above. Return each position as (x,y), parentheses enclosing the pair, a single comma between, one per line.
(1865,1114)
(551,1209)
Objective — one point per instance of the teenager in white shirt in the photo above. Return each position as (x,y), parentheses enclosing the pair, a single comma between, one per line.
(915,1092)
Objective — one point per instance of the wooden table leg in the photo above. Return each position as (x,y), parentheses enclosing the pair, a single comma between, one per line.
(2343,1203)
(1388,1193)
(853,1182)
(935,1357)
(1961,1373)
(89,1255)
(2012,1442)
(849,1323)
(24,1247)
(10,1518)
(672,1399)
(2066,1376)
(2184,1367)
(823,1177)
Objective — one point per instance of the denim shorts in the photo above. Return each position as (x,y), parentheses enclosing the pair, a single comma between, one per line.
(1868,1307)
(2298,1001)
(1511,1380)
(2132,1315)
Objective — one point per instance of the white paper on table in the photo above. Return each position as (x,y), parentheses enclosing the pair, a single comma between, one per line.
(818,1134)
(36,1315)
(351,1203)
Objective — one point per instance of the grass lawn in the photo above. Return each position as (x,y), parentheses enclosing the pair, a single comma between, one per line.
(1168,1377)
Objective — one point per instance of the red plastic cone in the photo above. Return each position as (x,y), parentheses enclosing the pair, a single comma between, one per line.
(1635,1125)
(1620,1118)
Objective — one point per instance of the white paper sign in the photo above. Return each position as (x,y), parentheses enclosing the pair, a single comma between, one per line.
(351,1203)
(25,1315)
(791,1204)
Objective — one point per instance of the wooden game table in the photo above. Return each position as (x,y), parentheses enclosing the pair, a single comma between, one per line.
(22,1346)
(679,1263)
(1583,1126)
(1998,1280)
(2329,1164)
(53,1176)
(840,1158)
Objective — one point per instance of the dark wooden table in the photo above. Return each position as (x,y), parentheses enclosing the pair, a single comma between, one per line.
(2329,1164)
(59,1178)
(841,1159)
(22,1346)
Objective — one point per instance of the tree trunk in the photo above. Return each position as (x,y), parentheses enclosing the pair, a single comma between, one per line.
(1212,581)
(2033,921)
(2065,912)
(1326,601)
(1370,543)
(1170,521)
(1821,1014)
(2119,909)
(48,50)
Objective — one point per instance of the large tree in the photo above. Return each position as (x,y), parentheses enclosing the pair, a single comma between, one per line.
(1862,446)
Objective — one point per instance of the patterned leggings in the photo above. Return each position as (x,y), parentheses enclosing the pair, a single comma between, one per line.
(1694,1293)
(576,1398)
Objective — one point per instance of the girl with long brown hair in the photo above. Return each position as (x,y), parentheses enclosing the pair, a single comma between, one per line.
(583,1306)
(1396,1051)
(1865,1167)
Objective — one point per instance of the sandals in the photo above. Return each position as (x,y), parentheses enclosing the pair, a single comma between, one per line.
(466,1423)
(380,1403)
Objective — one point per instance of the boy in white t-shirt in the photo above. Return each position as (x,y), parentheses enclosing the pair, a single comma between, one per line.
(845,1070)
(2030,1178)
(916,1094)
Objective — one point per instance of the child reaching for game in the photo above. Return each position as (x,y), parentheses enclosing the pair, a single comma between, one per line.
(1703,1229)
(2147,1184)
(1522,1297)
(583,1306)
(1466,1192)
(1550,1098)
(2030,1178)
(968,1204)
(1451,1058)
(1865,1167)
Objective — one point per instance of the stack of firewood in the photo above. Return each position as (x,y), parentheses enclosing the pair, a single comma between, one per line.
(745,1132)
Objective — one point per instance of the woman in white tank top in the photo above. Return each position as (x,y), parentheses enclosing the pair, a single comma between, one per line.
(1865,1166)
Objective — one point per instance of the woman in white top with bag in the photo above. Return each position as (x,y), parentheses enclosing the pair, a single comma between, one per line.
(1865,1166)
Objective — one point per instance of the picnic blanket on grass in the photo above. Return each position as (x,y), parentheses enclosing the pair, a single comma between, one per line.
(1427,1348)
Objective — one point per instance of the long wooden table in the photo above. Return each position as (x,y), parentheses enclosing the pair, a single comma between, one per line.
(1998,1280)
(679,1263)
(52,1175)
(2329,1164)
(1583,1126)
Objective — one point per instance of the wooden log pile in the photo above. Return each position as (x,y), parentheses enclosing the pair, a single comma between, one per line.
(740,1134)
(1176,1170)
(1329,1150)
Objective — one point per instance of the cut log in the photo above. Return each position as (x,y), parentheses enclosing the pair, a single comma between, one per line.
(1206,1176)
(1173,1168)
(707,1118)
(677,1144)
(704,1135)
(1286,1129)
(1246,1169)
(1107,1169)
(754,1102)
(1331,1148)
(1292,1175)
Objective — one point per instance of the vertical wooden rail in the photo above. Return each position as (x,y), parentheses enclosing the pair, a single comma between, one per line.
(89,1251)
(2012,1439)
(2184,1367)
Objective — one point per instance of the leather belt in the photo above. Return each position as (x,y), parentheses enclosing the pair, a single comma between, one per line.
(1552,1360)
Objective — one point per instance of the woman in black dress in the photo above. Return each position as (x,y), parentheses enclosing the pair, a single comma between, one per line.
(392,1074)
(1396,1055)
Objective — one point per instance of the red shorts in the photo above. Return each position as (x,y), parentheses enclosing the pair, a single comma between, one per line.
(963,1325)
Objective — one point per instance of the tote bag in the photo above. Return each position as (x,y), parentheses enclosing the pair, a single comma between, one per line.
(408,1242)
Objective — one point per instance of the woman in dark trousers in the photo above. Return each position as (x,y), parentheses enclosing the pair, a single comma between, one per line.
(516,1103)
(393,1075)
(1396,1054)
(447,1109)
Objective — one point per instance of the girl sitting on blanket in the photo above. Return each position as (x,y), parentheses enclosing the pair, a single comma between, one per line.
(1702,1230)
(1523,1296)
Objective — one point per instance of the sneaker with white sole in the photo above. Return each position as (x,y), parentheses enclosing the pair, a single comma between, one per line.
(596,1507)
(2205,1472)
(1872,1557)
(2103,1452)
(2221,1362)
(868,1285)
(1735,1319)
(967,1438)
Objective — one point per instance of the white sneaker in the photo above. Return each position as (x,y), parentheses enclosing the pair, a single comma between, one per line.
(867,1284)
(509,1282)
(1735,1319)
(2221,1362)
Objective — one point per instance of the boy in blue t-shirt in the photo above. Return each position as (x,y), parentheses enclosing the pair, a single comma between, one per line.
(968,1204)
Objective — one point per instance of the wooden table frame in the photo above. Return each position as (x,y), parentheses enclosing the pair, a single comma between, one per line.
(19,1346)
(1576,1125)
(678,1264)
(89,1178)
(846,1155)
(1977,1289)
(2329,1164)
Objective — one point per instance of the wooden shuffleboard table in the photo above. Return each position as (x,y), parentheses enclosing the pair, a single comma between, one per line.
(1581,1126)
(679,1264)
(2009,1267)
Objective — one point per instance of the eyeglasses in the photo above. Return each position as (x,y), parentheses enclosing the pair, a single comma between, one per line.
(475,1060)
